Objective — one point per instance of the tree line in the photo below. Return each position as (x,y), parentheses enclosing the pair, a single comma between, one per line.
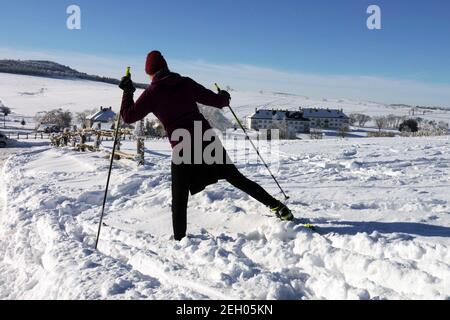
(401,123)
(49,69)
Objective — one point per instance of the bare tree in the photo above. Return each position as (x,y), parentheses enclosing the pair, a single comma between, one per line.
(380,122)
(353,118)
(363,119)
(316,133)
(359,118)
(344,130)
(393,121)
(398,121)
(82,117)
(390,120)
(283,128)
(6,111)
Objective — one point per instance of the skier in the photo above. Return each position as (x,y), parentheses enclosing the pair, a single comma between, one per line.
(173,100)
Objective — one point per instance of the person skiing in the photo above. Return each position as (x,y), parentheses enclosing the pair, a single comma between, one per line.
(173,100)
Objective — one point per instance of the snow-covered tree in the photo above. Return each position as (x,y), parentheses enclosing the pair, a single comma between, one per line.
(283,128)
(316,133)
(82,117)
(360,119)
(216,118)
(59,117)
(159,129)
(443,125)
(380,122)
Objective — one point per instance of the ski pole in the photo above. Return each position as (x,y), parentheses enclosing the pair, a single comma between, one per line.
(254,147)
(116,135)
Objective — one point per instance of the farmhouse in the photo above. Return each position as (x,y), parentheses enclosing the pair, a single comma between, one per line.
(103,116)
(293,121)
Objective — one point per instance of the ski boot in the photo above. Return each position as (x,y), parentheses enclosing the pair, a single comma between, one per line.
(283,212)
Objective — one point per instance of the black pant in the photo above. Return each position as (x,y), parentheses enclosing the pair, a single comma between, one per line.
(182,178)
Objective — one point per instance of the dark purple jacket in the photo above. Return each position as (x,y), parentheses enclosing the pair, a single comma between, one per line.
(173,100)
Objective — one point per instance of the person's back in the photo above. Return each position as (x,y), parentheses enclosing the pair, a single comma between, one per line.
(173,100)
(174,103)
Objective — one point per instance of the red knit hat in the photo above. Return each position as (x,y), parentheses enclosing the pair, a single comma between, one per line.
(155,62)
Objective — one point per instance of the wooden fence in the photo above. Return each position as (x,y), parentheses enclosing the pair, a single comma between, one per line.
(80,140)
(27,136)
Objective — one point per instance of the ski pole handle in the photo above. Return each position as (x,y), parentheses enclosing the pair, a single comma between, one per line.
(217,87)
(128,72)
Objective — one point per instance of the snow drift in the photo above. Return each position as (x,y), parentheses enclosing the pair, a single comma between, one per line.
(382,207)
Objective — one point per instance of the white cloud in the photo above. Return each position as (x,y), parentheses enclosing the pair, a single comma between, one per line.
(247,77)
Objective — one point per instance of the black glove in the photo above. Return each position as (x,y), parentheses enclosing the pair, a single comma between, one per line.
(225,94)
(127,85)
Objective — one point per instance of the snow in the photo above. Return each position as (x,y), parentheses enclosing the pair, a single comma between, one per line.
(27,95)
(381,205)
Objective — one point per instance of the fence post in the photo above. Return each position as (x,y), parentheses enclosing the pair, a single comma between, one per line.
(83,142)
(98,140)
(140,151)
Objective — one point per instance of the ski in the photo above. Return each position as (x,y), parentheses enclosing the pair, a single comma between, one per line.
(310,226)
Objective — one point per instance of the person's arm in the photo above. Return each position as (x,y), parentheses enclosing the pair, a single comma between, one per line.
(131,111)
(208,97)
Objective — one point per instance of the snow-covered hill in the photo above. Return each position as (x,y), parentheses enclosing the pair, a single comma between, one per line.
(27,95)
(382,207)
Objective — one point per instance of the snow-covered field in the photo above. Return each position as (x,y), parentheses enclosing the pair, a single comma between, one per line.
(27,95)
(382,207)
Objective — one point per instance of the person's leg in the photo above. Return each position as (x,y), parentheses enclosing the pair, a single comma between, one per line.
(180,196)
(237,179)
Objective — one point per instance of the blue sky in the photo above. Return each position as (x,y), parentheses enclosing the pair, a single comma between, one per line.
(327,39)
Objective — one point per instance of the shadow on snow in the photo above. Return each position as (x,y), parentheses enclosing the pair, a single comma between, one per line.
(412,228)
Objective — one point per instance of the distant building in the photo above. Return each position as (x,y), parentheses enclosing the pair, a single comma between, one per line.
(275,119)
(326,118)
(298,121)
(103,116)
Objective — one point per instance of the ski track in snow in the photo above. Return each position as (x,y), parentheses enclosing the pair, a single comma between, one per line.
(382,206)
